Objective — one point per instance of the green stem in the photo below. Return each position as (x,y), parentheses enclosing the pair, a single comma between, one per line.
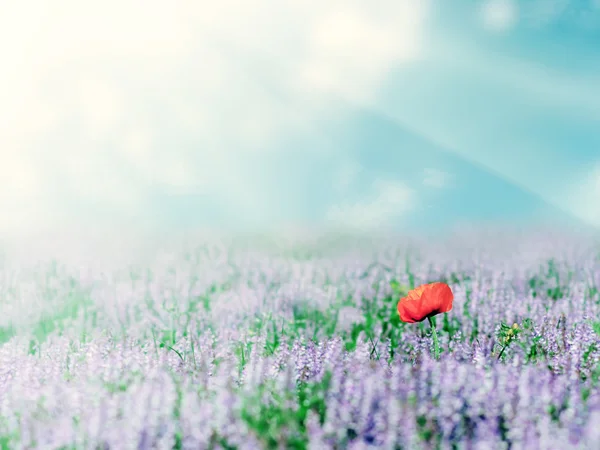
(502,351)
(436,344)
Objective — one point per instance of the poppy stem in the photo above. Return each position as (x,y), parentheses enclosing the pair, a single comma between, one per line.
(436,344)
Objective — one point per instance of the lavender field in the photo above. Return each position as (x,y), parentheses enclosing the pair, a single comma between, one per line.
(235,346)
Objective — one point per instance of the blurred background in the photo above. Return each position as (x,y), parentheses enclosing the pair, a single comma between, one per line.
(129,118)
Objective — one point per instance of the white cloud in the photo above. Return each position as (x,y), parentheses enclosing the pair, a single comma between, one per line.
(584,198)
(391,200)
(436,178)
(345,175)
(100,105)
(175,94)
(348,36)
(499,15)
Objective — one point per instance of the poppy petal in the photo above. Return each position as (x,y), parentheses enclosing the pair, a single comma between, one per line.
(410,311)
(425,301)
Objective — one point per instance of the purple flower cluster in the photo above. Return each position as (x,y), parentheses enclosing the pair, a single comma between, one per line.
(224,347)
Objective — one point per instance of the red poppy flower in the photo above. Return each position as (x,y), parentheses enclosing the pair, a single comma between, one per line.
(425,301)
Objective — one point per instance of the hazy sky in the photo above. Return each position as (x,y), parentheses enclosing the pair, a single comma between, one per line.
(257,113)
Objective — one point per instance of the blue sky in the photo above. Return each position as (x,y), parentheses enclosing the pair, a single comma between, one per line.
(261,115)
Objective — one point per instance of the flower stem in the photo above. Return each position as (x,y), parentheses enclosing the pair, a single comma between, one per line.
(502,351)
(436,344)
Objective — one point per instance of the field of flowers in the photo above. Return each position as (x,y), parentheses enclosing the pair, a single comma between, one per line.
(230,346)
